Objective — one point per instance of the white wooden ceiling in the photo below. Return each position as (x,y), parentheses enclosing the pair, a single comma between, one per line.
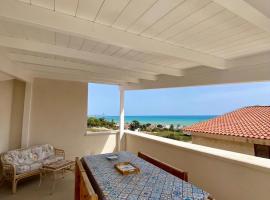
(146,39)
(197,24)
(64,40)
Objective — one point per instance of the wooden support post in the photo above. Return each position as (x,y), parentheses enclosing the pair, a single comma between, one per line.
(121,142)
(27,115)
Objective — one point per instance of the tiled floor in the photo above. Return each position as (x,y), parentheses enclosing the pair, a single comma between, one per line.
(29,189)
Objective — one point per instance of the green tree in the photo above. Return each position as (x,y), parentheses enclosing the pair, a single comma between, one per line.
(92,122)
(143,127)
(159,126)
(171,127)
(100,122)
(134,125)
(148,124)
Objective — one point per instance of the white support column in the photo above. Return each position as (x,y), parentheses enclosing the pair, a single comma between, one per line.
(121,142)
(27,115)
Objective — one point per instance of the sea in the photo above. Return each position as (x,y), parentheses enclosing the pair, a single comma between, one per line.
(179,120)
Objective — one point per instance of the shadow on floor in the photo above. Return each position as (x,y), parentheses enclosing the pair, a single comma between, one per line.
(30,190)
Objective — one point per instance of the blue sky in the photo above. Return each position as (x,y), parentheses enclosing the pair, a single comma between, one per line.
(203,100)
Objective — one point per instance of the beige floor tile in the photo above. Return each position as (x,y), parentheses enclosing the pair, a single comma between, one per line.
(29,189)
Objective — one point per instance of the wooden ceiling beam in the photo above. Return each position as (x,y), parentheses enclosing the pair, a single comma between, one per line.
(9,68)
(108,61)
(79,73)
(59,22)
(57,63)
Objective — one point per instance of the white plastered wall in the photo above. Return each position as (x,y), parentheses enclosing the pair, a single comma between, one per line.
(225,176)
(11,114)
(58,117)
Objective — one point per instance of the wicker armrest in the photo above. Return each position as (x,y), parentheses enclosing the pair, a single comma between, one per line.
(9,171)
(59,152)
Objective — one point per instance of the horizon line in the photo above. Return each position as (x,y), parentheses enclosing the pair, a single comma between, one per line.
(154,115)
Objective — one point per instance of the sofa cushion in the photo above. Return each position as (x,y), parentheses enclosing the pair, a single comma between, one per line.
(42,152)
(23,168)
(25,157)
(18,157)
(52,159)
(20,169)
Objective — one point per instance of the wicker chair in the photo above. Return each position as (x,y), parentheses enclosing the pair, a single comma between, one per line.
(23,163)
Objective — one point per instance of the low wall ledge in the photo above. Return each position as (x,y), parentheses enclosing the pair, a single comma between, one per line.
(102,133)
(229,156)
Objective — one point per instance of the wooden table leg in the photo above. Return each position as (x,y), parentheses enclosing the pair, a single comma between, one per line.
(40,179)
(2,180)
(54,182)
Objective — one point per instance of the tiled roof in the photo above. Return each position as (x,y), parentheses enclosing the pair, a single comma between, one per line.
(248,122)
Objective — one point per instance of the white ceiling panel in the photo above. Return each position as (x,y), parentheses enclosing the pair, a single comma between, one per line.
(110,10)
(220,29)
(66,6)
(132,12)
(203,14)
(157,11)
(252,47)
(248,51)
(44,3)
(231,33)
(211,22)
(26,1)
(88,9)
(239,43)
(179,13)
(234,38)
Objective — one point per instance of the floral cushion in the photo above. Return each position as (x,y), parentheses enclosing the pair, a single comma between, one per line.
(17,157)
(30,159)
(42,152)
(20,169)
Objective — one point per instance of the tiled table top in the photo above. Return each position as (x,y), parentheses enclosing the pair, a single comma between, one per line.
(151,183)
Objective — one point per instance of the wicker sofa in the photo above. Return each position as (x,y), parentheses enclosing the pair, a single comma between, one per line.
(22,163)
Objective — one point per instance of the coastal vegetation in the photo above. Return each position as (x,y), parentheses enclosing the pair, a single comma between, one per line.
(95,124)
(160,130)
(100,124)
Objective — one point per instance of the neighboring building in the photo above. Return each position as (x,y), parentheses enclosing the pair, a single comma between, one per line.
(246,130)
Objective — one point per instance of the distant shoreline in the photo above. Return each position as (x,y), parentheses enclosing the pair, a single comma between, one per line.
(181,120)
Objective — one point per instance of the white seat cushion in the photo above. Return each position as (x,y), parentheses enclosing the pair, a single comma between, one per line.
(20,169)
(32,158)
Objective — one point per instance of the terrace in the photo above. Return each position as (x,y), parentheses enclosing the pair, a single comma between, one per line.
(51,50)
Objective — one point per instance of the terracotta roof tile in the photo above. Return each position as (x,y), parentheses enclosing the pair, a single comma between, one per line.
(248,122)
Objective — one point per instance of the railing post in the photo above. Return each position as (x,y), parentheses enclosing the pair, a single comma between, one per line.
(120,142)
